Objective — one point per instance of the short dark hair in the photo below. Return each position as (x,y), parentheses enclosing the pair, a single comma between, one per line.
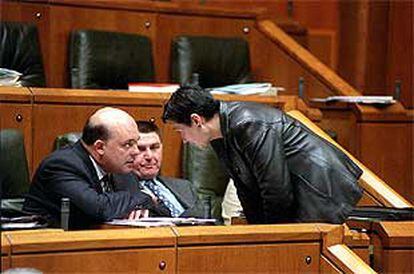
(148,127)
(187,100)
(91,133)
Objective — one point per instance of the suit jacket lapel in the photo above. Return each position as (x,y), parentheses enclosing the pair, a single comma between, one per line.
(84,155)
(176,191)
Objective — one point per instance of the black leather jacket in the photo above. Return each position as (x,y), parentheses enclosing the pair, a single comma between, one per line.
(283,172)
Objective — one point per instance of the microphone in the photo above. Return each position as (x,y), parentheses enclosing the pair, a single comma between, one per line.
(64,213)
(207,207)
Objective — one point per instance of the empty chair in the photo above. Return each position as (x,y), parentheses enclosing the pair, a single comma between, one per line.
(20,51)
(109,60)
(14,171)
(217,61)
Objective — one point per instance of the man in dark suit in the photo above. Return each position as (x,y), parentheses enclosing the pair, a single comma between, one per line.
(173,197)
(83,172)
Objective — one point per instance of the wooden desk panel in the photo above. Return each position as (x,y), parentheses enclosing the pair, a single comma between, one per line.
(41,241)
(5,253)
(236,234)
(398,261)
(137,260)
(110,251)
(248,248)
(254,258)
(394,247)
(16,113)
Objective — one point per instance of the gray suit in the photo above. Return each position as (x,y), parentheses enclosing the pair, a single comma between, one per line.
(182,189)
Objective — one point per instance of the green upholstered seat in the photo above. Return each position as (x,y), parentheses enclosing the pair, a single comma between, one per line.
(20,51)
(14,171)
(218,61)
(67,139)
(109,60)
(202,167)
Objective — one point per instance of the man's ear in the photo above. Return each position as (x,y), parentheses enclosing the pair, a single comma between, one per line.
(99,147)
(196,120)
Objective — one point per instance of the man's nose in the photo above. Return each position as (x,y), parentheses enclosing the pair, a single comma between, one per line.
(134,149)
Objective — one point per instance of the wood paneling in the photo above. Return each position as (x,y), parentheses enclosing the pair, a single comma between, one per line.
(327,267)
(110,261)
(394,247)
(100,251)
(16,112)
(398,261)
(400,49)
(257,258)
(395,164)
(323,43)
(5,253)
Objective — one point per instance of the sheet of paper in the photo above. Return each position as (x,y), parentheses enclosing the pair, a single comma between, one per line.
(357,99)
(161,221)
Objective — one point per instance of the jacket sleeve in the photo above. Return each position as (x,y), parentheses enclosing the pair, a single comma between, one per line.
(65,178)
(262,149)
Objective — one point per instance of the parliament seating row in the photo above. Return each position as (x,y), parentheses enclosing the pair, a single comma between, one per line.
(111,60)
(274,56)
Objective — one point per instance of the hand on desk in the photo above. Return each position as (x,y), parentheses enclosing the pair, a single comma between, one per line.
(138,213)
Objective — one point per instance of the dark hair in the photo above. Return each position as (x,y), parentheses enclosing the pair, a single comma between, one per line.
(148,127)
(187,100)
(91,133)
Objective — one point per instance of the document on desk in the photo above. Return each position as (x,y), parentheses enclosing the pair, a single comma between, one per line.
(161,221)
(357,99)
(180,221)
(138,223)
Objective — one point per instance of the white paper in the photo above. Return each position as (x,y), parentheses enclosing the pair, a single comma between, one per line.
(161,221)
(358,99)
(246,89)
(152,87)
(138,223)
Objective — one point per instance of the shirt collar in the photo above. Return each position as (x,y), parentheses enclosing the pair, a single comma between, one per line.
(99,171)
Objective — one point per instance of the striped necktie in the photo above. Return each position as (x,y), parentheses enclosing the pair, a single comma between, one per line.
(159,193)
(105,183)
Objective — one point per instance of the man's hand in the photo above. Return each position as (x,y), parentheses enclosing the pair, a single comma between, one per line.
(138,213)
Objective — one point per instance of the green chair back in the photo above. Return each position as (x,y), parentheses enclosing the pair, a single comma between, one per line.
(204,170)
(14,171)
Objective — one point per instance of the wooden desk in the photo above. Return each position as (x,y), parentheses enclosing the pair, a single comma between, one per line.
(289,248)
(394,247)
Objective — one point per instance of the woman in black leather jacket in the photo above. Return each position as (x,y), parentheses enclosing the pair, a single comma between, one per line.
(283,172)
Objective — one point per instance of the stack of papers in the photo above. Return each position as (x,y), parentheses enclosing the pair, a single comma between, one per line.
(152,87)
(247,89)
(358,99)
(162,221)
(9,77)
(24,222)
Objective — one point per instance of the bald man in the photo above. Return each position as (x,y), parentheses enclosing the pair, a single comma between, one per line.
(83,172)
